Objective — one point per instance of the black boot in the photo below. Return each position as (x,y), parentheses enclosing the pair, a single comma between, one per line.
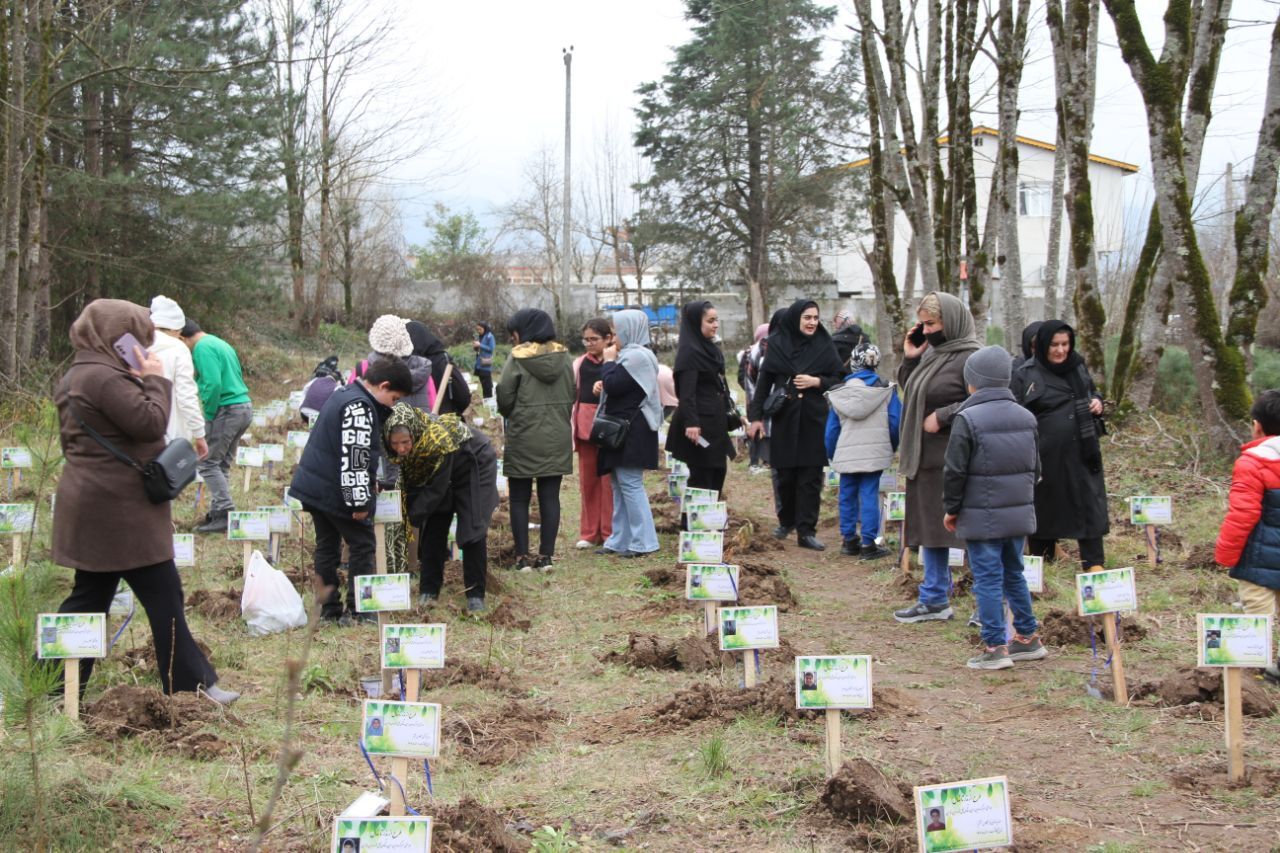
(851,548)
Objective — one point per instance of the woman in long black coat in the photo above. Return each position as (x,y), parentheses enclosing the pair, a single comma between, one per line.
(802,360)
(1071,497)
(699,434)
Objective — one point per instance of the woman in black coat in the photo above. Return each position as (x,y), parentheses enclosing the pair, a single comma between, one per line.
(1071,497)
(427,345)
(802,361)
(699,434)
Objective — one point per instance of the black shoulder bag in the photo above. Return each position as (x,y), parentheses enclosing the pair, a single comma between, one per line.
(164,477)
(609,431)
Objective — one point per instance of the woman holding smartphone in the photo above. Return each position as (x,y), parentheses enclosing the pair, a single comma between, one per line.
(699,434)
(596,517)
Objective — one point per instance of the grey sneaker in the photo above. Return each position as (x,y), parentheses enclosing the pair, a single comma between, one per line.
(1027,648)
(924,612)
(974,621)
(475,604)
(427,599)
(217,694)
(996,657)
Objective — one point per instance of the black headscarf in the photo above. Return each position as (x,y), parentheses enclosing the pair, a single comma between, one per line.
(533,325)
(695,352)
(1088,426)
(792,352)
(425,343)
(482,324)
(1044,336)
(847,339)
(1029,338)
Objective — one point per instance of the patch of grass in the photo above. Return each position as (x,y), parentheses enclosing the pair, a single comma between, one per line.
(712,758)
(1148,789)
(548,839)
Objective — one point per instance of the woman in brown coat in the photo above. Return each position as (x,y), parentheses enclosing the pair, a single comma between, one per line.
(104,527)
(932,380)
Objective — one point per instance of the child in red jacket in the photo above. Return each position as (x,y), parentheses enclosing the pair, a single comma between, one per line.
(1249,541)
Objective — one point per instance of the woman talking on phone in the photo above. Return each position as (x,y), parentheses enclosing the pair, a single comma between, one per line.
(800,365)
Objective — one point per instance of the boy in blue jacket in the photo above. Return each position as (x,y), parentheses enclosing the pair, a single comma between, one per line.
(862,434)
(335,479)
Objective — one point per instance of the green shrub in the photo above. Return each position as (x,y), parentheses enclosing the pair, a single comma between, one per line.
(1266,370)
(1175,389)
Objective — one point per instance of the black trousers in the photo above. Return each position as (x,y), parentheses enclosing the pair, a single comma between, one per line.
(331,532)
(433,551)
(1091,550)
(548,511)
(486,383)
(158,588)
(706,478)
(799,498)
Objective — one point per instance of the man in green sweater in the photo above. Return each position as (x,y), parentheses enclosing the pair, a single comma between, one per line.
(227,413)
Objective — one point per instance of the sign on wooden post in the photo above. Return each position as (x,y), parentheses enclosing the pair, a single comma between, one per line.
(1148,511)
(709,583)
(69,637)
(1233,641)
(248,527)
(747,630)
(832,683)
(1103,594)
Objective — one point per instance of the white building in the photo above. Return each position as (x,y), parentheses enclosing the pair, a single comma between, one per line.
(848,265)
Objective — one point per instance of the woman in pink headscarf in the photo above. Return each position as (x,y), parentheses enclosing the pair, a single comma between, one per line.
(749,361)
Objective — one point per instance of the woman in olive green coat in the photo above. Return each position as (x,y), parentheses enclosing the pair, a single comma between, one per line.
(535,395)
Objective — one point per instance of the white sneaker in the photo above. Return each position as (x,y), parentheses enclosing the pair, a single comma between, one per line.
(583,545)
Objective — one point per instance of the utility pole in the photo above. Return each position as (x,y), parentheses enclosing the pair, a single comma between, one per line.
(566,249)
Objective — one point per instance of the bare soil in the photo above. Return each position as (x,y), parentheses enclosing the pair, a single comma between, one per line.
(500,735)
(1062,628)
(215,603)
(471,826)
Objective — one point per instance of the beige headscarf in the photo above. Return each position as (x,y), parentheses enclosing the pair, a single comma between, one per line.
(103,321)
(958,326)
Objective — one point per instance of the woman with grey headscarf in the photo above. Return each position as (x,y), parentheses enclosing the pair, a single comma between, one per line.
(629,377)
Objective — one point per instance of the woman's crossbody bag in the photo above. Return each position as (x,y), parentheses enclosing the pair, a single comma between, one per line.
(608,431)
(164,477)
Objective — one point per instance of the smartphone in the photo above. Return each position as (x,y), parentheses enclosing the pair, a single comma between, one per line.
(124,348)
(916,336)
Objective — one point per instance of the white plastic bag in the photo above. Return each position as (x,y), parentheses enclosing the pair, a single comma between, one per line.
(269,602)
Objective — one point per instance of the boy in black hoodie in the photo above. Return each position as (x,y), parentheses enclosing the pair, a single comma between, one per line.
(335,480)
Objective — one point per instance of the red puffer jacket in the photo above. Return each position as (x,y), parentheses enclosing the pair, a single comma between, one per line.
(1256,472)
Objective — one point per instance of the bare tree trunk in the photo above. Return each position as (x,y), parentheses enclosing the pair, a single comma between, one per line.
(1052,270)
(15,125)
(1010,46)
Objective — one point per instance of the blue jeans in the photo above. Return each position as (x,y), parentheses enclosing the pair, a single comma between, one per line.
(860,502)
(935,589)
(632,521)
(997,577)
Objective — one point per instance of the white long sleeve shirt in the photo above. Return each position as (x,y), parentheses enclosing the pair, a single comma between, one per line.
(186,415)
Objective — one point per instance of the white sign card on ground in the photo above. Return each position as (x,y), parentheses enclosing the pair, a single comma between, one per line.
(701,546)
(705,515)
(296,439)
(375,593)
(969,815)
(296,398)
(71,635)
(413,646)
(744,628)
(250,457)
(675,485)
(955,557)
(248,526)
(702,496)
(1150,509)
(387,509)
(16,457)
(833,681)
(260,418)
(895,506)
(281,518)
(381,835)
(1109,591)
(17,518)
(408,729)
(277,408)
(1232,639)
(273,452)
(184,549)
(1033,571)
(711,582)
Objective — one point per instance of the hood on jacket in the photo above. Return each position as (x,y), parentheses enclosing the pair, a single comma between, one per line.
(1267,449)
(857,400)
(543,361)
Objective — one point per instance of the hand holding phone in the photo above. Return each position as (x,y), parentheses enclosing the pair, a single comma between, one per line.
(126,346)
(917,336)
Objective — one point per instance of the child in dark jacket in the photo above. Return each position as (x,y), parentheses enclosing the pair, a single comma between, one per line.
(1249,541)
(989,480)
(335,479)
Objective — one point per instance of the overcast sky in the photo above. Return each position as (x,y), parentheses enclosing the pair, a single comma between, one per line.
(496,73)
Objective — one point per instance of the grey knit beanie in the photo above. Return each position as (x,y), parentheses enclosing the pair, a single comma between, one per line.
(989,367)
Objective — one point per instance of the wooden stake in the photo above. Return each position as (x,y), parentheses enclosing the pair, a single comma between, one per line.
(749,668)
(247,472)
(709,616)
(905,562)
(1153,552)
(17,550)
(400,766)
(273,548)
(380,565)
(71,687)
(833,758)
(17,478)
(1233,705)
(1118,684)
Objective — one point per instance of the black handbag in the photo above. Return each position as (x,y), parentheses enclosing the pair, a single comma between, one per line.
(774,403)
(164,477)
(609,431)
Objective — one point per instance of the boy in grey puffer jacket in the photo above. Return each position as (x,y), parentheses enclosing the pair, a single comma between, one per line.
(861,436)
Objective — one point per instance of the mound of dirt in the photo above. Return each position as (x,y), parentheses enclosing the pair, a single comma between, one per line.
(1061,628)
(648,651)
(1201,690)
(491,677)
(860,793)
(507,615)
(759,583)
(711,702)
(471,826)
(215,603)
(749,537)
(500,736)
(1207,778)
(665,577)
(1201,557)
(177,720)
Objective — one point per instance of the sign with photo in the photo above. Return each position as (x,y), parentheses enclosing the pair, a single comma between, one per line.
(706,515)
(711,582)
(413,646)
(833,681)
(895,506)
(743,628)
(184,549)
(16,457)
(1150,509)
(71,635)
(281,520)
(1109,591)
(296,439)
(248,526)
(833,479)
(408,729)
(955,557)
(296,398)
(675,485)
(260,418)
(969,815)
(250,457)
(273,452)
(277,408)
(387,510)
(1234,640)
(1033,571)
(17,518)
(701,546)
(375,593)
(292,502)
(382,835)
(701,496)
